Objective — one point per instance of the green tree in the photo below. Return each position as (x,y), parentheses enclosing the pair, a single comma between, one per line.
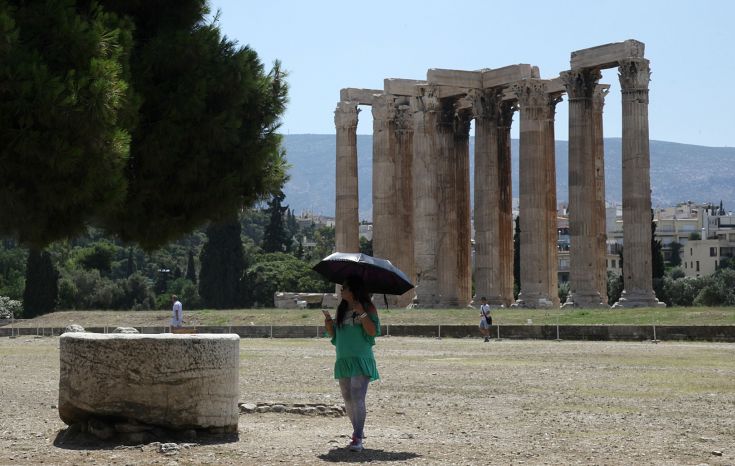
(366,246)
(276,237)
(325,243)
(191,272)
(206,143)
(657,257)
(63,105)
(42,290)
(222,265)
(280,272)
(675,253)
(114,114)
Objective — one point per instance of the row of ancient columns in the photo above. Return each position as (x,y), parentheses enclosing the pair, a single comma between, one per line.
(421,203)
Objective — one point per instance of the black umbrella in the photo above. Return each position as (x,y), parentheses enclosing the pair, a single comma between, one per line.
(379,275)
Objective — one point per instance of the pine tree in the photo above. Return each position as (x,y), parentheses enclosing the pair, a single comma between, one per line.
(222,265)
(42,289)
(275,237)
(206,142)
(64,97)
(137,116)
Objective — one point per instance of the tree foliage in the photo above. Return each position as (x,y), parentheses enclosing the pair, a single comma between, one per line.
(276,237)
(64,135)
(41,291)
(279,272)
(222,266)
(114,114)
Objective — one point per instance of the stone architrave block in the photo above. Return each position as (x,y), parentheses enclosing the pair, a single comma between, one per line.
(359,96)
(172,381)
(608,55)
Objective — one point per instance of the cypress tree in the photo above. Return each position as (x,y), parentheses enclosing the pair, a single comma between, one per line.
(222,265)
(517,257)
(275,236)
(42,289)
(657,257)
(191,273)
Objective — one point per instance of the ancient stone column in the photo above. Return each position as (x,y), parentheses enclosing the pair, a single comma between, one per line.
(392,190)
(583,223)
(493,198)
(454,253)
(534,191)
(347,234)
(452,139)
(384,181)
(551,216)
(403,140)
(634,77)
(426,110)
(598,102)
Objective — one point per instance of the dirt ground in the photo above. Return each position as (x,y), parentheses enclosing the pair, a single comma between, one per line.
(450,401)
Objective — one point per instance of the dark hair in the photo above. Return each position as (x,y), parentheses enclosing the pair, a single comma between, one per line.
(357,287)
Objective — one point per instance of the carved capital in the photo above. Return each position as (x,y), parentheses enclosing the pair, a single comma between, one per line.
(404,121)
(580,84)
(634,74)
(383,108)
(530,93)
(427,101)
(506,110)
(486,103)
(345,115)
(598,97)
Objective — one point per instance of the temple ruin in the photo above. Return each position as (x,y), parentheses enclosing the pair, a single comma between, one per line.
(421,184)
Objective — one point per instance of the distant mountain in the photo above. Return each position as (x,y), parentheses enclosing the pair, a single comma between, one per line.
(679,172)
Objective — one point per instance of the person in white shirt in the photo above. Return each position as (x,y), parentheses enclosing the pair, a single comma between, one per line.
(485,319)
(177,319)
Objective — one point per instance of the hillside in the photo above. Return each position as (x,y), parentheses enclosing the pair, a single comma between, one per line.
(679,172)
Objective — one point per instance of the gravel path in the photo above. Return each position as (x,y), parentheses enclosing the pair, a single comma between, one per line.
(450,401)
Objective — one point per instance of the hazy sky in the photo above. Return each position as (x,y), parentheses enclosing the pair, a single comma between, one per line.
(329,45)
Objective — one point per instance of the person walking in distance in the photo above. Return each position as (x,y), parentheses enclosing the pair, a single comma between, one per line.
(486,321)
(353,333)
(177,317)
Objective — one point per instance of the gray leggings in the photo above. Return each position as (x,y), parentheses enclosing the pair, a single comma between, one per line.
(353,391)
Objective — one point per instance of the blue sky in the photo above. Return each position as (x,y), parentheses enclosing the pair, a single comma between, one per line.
(328,45)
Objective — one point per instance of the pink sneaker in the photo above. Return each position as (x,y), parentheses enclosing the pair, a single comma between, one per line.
(355,444)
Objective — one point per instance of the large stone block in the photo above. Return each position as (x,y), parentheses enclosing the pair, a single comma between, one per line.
(173,381)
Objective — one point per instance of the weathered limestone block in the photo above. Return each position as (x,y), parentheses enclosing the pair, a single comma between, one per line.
(172,381)
(72,328)
(125,330)
(287,300)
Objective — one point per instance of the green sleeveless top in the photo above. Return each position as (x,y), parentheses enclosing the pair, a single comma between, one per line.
(355,349)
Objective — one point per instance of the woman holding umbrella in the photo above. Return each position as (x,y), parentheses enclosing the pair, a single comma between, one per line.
(353,333)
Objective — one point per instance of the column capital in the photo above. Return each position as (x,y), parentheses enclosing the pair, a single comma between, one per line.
(598,96)
(580,83)
(345,115)
(383,108)
(428,101)
(530,92)
(634,74)
(485,102)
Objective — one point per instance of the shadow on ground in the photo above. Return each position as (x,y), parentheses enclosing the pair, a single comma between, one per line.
(342,455)
(72,439)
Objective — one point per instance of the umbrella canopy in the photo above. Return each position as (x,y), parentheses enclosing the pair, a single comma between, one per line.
(379,275)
